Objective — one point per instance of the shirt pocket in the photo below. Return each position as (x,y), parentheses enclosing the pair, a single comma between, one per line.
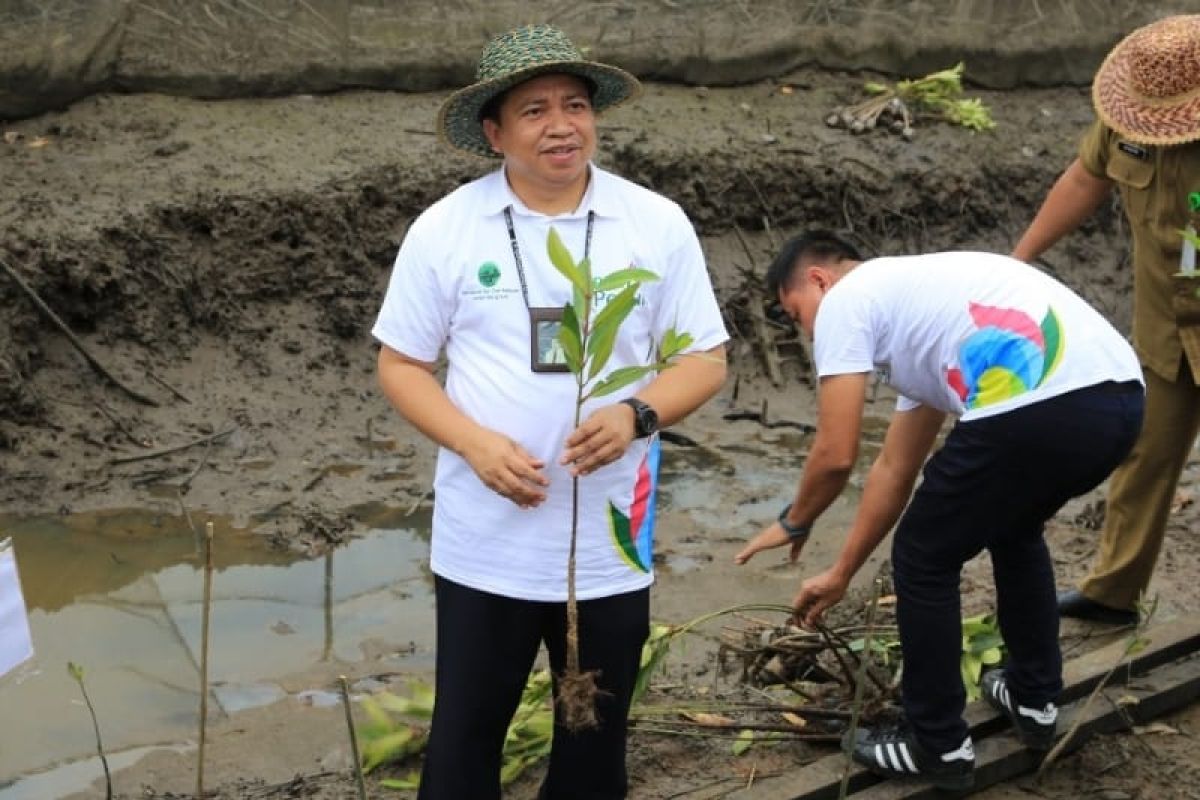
(1135,177)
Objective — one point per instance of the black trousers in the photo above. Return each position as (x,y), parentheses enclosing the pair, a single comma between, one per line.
(486,645)
(994,484)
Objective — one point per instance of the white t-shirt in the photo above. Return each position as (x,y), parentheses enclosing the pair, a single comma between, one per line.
(455,284)
(972,334)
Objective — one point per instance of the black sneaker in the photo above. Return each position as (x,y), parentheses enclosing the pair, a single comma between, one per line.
(895,752)
(1034,727)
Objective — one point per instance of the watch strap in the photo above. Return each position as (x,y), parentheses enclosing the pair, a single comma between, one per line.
(644,417)
(794,532)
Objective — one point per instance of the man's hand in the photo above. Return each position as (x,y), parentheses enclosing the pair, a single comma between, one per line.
(768,538)
(506,468)
(600,439)
(817,594)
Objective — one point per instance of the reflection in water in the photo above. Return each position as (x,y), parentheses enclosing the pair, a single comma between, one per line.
(120,593)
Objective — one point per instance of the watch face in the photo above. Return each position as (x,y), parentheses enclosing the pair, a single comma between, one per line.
(647,420)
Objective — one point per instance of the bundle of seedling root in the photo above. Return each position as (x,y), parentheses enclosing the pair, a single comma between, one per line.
(897,107)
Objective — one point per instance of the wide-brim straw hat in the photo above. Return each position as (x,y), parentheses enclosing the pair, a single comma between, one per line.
(513,58)
(1148,88)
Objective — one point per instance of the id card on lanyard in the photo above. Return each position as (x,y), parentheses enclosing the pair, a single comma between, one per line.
(545,351)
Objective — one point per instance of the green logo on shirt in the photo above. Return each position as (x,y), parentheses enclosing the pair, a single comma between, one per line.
(489,273)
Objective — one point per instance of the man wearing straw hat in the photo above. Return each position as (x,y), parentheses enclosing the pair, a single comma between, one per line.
(1146,143)
(473,277)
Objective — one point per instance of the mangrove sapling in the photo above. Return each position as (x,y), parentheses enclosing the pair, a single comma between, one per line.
(76,672)
(587,343)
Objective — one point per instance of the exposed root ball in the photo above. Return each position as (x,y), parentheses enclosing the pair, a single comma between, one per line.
(577,693)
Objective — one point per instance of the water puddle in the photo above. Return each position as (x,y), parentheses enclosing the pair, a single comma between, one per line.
(120,593)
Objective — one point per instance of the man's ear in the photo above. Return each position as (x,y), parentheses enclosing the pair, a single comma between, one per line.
(492,131)
(818,276)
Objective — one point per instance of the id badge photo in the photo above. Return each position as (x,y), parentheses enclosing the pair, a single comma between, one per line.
(545,351)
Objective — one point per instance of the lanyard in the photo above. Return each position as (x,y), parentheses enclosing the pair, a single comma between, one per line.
(512,238)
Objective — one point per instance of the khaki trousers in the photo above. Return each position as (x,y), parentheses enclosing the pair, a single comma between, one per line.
(1141,491)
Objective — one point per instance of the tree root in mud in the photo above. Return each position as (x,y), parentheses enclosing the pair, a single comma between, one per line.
(73,339)
(821,667)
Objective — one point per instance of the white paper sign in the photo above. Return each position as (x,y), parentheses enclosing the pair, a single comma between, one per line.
(16,645)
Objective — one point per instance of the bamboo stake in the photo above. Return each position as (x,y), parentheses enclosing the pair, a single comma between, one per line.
(358,773)
(208,570)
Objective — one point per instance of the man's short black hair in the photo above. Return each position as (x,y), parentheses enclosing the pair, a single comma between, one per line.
(818,245)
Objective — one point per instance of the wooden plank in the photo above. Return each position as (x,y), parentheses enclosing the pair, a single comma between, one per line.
(1166,642)
(1002,757)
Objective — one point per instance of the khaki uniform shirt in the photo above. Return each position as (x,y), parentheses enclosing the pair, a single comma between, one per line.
(1154,183)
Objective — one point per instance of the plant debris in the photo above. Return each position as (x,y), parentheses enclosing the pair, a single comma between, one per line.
(896,107)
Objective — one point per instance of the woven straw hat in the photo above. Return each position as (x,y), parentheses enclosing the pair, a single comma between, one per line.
(515,57)
(1148,88)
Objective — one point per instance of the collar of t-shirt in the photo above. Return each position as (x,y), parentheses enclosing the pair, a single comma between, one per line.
(597,197)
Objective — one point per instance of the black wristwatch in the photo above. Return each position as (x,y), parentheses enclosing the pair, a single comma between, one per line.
(645,418)
(794,532)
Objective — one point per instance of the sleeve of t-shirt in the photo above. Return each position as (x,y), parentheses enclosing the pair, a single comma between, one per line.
(1093,150)
(688,303)
(415,316)
(843,334)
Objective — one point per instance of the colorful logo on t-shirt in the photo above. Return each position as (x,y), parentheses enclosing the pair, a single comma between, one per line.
(489,273)
(1009,355)
(633,535)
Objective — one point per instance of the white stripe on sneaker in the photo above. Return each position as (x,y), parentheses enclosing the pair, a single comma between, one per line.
(888,756)
(908,760)
(965,752)
(1000,692)
(1046,716)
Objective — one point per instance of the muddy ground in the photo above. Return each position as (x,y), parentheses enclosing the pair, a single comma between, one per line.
(223,261)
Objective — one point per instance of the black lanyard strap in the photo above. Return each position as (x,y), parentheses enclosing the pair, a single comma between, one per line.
(512,238)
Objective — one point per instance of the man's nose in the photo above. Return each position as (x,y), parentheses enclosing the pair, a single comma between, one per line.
(560,122)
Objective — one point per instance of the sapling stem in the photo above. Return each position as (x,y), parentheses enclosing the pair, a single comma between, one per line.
(76,672)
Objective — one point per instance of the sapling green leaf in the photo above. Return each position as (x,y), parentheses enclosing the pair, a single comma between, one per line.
(560,257)
(617,379)
(571,340)
(608,320)
(615,280)
(604,332)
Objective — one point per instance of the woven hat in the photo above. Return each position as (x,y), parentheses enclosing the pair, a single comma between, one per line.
(515,57)
(1148,88)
